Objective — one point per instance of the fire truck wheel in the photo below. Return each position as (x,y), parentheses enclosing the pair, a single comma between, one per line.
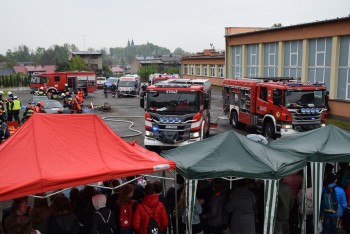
(234,119)
(269,131)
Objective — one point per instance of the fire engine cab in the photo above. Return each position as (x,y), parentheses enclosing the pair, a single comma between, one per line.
(177,112)
(275,106)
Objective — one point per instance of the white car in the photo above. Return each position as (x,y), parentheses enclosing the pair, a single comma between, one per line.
(100,81)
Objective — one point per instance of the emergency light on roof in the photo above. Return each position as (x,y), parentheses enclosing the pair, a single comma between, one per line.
(169,85)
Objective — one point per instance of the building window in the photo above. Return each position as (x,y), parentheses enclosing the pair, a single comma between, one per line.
(220,71)
(56,78)
(212,70)
(343,90)
(192,70)
(198,70)
(236,61)
(205,70)
(252,60)
(271,59)
(320,52)
(185,69)
(293,51)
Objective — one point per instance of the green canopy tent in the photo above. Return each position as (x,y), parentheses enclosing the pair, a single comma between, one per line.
(233,155)
(327,144)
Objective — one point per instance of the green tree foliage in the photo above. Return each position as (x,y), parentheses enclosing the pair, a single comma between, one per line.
(276,25)
(77,64)
(145,71)
(172,70)
(179,51)
(106,71)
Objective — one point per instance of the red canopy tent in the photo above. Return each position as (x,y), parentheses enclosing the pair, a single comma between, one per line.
(55,151)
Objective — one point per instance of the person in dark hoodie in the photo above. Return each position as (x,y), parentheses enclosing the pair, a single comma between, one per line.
(62,220)
(103,221)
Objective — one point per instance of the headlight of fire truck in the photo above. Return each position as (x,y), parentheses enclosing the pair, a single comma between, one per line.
(148,133)
(194,134)
(287,126)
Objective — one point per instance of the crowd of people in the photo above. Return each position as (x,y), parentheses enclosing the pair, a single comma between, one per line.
(219,208)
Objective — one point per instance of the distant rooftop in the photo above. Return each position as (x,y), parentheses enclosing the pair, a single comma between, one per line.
(87,52)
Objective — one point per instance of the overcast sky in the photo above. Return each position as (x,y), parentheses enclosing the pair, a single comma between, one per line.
(189,24)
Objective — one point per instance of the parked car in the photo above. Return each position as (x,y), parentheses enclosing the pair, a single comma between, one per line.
(55,107)
(35,99)
(100,82)
(112,80)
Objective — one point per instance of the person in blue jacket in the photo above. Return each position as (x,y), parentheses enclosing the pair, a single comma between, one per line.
(331,219)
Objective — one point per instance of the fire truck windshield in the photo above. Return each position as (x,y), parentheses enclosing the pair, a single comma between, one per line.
(38,80)
(126,83)
(173,101)
(305,98)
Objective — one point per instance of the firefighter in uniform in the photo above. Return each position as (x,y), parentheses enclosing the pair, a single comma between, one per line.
(28,112)
(9,106)
(41,92)
(16,108)
(39,107)
(81,96)
(2,115)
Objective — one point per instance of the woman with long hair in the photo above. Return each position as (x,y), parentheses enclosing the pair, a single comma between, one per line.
(196,221)
(126,208)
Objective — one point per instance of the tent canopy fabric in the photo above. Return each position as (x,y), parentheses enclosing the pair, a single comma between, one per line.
(55,151)
(231,154)
(327,144)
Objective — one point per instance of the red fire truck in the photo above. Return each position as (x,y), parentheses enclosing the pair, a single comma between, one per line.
(177,112)
(156,78)
(57,81)
(275,106)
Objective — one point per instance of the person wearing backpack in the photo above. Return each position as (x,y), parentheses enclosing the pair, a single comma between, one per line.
(333,203)
(103,221)
(150,215)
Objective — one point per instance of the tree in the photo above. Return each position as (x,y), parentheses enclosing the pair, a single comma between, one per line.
(106,71)
(145,71)
(179,51)
(172,70)
(276,25)
(77,64)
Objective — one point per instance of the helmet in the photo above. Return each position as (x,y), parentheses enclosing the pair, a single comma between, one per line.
(1,92)
(63,95)
(41,87)
(8,93)
(15,97)
(65,84)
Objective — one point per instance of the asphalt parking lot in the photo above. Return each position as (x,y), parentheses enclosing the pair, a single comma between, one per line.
(126,113)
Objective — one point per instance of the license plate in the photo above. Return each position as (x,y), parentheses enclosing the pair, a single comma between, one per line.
(171,126)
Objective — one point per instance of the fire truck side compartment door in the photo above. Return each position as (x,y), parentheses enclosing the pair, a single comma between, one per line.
(262,100)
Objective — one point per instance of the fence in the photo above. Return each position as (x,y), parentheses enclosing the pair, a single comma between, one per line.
(17,80)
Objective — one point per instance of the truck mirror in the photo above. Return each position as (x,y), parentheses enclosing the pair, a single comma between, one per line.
(142,100)
(206,104)
(206,100)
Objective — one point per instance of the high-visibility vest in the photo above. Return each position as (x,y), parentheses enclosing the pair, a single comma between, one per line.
(16,105)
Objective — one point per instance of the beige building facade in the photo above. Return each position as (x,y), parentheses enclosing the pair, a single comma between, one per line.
(314,52)
(209,64)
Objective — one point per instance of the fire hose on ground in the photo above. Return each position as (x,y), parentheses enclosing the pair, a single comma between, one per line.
(113,119)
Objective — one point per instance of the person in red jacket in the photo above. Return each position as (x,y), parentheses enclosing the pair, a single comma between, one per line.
(150,205)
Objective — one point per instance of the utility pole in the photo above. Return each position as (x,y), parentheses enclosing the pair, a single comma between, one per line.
(84,40)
